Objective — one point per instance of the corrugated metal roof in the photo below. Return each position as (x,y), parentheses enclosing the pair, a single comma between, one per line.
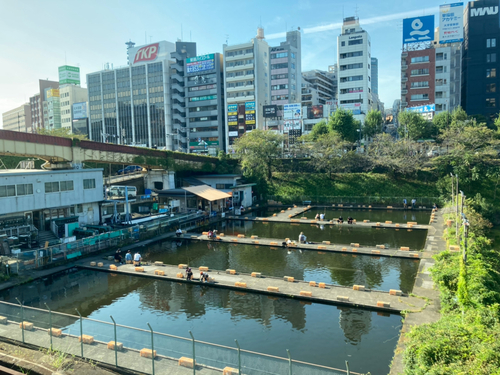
(207,192)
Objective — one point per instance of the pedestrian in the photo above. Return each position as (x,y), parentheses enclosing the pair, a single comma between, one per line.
(322,217)
(301,236)
(178,232)
(316,217)
(137,259)
(350,220)
(340,220)
(128,257)
(405,204)
(189,274)
(434,207)
(413,202)
(118,257)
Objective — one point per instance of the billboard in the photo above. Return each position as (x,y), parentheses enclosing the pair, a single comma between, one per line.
(423,108)
(200,63)
(293,135)
(315,111)
(249,106)
(233,134)
(291,125)
(292,111)
(451,23)
(270,111)
(69,75)
(147,53)
(355,108)
(418,29)
(79,111)
(52,93)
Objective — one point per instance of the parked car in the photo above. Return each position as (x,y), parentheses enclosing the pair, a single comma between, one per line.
(130,169)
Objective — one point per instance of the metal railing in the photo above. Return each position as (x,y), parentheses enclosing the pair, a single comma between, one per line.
(124,346)
(355,201)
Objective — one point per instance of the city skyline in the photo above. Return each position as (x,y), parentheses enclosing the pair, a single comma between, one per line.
(35,52)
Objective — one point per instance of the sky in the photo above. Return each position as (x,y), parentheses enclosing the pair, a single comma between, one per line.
(36,37)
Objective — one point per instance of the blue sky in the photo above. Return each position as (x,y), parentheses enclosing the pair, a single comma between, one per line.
(38,36)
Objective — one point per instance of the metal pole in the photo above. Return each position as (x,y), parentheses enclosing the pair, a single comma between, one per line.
(239,357)
(194,355)
(116,349)
(152,348)
(50,324)
(347,367)
(457,225)
(289,362)
(22,317)
(81,331)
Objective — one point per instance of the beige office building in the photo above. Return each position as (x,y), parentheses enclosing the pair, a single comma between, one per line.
(18,119)
(70,94)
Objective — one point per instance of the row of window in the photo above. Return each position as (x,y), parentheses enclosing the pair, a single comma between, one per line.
(419,72)
(239,63)
(13,190)
(206,118)
(351,78)
(279,87)
(491,43)
(240,84)
(279,97)
(279,55)
(420,97)
(239,52)
(239,74)
(50,187)
(351,66)
(351,54)
(351,90)
(419,59)
(353,42)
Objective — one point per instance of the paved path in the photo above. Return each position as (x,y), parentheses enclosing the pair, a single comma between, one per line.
(328,295)
(321,247)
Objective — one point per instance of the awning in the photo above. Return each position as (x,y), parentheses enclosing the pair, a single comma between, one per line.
(207,192)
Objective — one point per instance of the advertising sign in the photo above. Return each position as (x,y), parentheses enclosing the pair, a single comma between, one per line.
(315,111)
(200,63)
(69,75)
(52,92)
(423,108)
(232,119)
(451,23)
(270,111)
(79,111)
(147,53)
(291,125)
(200,98)
(292,111)
(233,134)
(293,135)
(355,108)
(249,106)
(250,118)
(232,107)
(418,29)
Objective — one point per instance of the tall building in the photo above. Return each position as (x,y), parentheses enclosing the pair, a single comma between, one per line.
(205,118)
(374,73)
(246,86)
(18,119)
(286,68)
(132,105)
(36,104)
(480,59)
(52,109)
(319,86)
(69,95)
(354,60)
(182,51)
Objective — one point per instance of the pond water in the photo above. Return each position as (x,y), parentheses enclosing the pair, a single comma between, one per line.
(316,333)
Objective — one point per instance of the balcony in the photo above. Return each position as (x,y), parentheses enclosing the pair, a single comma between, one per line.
(404,54)
(240,88)
(239,67)
(240,78)
(240,99)
(240,57)
(404,79)
(404,91)
(404,67)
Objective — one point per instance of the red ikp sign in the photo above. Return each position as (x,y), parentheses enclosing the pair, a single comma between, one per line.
(147,53)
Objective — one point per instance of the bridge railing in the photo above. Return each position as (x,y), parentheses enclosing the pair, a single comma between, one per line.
(68,329)
(355,200)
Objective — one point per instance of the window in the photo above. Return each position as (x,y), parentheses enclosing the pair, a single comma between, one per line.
(24,189)
(491,102)
(419,59)
(351,54)
(351,66)
(279,66)
(293,66)
(420,97)
(441,56)
(354,42)
(440,69)
(351,101)
(51,187)
(293,55)
(279,87)
(66,185)
(7,191)
(491,57)
(89,183)
(279,55)
(79,208)
(418,85)
(491,73)
(351,90)
(491,43)
(440,82)
(279,76)
(419,72)
(352,78)
(491,87)
(343,44)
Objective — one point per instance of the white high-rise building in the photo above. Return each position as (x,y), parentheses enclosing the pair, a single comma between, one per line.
(354,74)
(246,86)
(69,95)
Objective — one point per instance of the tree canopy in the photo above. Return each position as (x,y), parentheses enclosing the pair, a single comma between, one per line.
(344,124)
(61,132)
(373,123)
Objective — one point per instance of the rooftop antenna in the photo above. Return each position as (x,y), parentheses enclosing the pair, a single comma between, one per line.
(356,11)
(227,38)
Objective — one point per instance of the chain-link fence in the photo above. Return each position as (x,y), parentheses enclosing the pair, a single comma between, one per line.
(130,347)
(355,201)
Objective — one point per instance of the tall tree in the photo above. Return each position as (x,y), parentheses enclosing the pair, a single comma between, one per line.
(330,154)
(344,124)
(258,152)
(413,125)
(442,120)
(373,123)
(318,130)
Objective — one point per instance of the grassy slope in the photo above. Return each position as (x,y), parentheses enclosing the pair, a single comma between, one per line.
(349,184)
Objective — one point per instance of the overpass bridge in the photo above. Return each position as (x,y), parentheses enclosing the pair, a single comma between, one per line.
(66,153)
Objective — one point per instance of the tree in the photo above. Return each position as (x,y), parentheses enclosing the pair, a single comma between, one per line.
(414,126)
(442,120)
(401,157)
(330,153)
(258,152)
(344,124)
(458,116)
(318,130)
(61,132)
(373,123)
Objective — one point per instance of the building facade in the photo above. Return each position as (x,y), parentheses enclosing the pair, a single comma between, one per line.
(69,95)
(246,86)
(18,119)
(205,117)
(319,86)
(52,109)
(286,67)
(374,73)
(480,59)
(36,104)
(354,60)
(132,105)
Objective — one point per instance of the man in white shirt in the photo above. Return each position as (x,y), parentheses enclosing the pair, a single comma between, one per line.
(137,259)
